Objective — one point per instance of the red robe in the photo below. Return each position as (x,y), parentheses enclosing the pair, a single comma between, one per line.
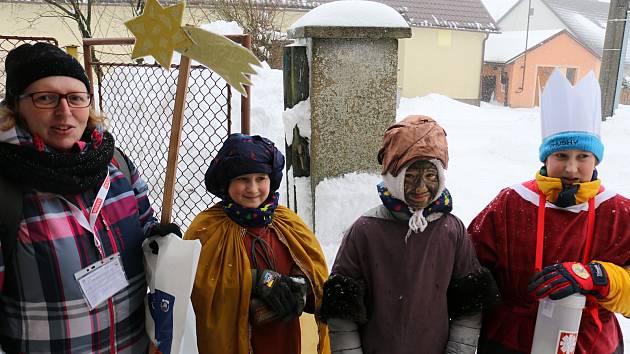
(277,336)
(504,235)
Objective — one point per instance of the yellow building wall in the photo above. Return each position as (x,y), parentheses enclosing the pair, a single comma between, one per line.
(36,19)
(441,61)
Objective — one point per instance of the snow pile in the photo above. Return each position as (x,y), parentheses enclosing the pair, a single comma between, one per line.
(352,13)
(338,203)
(223,27)
(300,116)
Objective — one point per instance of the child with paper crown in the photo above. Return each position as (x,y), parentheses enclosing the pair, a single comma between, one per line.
(406,278)
(260,265)
(559,234)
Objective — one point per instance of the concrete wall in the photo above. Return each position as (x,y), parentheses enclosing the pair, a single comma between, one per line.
(441,61)
(353,101)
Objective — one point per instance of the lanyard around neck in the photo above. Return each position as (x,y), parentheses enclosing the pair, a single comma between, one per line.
(89,223)
(591,306)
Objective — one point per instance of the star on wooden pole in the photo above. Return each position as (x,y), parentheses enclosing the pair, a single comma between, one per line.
(158,33)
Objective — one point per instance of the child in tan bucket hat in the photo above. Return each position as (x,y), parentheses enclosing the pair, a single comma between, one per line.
(406,277)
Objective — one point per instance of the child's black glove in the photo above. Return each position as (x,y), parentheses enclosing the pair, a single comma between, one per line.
(563,279)
(275,290)
(165,229)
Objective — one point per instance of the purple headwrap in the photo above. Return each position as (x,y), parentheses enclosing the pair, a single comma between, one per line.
(242,154)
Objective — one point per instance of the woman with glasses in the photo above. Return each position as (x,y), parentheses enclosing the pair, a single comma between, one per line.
(71,273)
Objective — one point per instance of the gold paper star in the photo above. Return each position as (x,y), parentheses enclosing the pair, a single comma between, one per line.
(226,58)
(158,32)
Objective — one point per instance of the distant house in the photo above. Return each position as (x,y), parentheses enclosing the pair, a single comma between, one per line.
(584,19)
(505,57)
(445,52)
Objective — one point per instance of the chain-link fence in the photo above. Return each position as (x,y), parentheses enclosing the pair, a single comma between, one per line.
(9,42)
(138,100)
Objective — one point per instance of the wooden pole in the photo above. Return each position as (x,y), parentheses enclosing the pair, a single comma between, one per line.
(87,63)
(612,59)
(245,101)
(176,130)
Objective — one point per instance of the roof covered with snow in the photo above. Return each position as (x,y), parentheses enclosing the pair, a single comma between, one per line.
(509,45)
(470,15)
(585,19)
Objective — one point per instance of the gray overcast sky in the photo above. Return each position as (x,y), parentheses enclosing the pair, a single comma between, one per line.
(498,7)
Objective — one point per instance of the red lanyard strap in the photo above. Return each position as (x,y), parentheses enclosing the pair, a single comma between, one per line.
(90,224)
(590,230)
(540,232)
(591,306)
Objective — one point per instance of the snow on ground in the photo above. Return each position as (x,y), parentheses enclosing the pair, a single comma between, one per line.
(491,147)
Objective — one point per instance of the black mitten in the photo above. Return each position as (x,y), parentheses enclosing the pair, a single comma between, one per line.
(165,229)
(275,290)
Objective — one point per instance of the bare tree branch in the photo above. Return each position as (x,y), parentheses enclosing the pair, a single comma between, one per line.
(60,7)
(89,14)
(136,7)
(56,16)
(256,17)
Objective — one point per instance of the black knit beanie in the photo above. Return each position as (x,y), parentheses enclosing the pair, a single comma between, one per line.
(31,62)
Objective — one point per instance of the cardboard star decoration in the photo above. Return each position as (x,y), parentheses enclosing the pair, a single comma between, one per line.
(158,33)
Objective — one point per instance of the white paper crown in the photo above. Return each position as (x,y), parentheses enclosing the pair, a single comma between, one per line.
(567,108)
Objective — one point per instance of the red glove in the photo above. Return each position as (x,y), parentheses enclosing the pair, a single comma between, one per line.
(560,280)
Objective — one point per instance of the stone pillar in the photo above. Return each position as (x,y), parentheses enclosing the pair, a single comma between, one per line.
(350,86)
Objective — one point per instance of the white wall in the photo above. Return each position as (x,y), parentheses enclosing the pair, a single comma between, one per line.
(542,19)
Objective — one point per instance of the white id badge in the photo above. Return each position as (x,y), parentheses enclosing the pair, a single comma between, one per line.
(102,280)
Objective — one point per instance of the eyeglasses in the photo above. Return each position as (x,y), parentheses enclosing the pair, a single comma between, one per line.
(47,100)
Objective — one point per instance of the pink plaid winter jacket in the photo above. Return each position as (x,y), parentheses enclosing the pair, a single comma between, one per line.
(42,309)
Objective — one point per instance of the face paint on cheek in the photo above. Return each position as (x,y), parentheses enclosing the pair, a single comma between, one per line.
(421,184)
(432,185)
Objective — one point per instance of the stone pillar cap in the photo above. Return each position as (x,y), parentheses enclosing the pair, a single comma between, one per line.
(348,18)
